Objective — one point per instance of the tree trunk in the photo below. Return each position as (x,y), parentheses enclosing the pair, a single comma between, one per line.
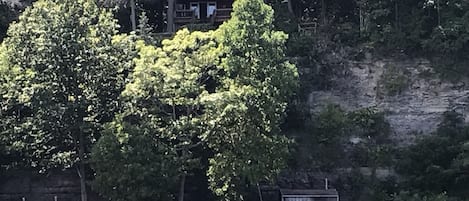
(397,15)
(81,171)
(438,11)
(290,8)
(182,187)
(323,12)
(170,15)
(133,17)
(362,24)
(260,192)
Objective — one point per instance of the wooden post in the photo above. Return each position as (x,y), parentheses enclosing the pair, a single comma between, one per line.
(182,185)
(170,16)
(397,14)
(323,12)
(260,192)
(438,10)
(133,16)
(81,169)
(290,8)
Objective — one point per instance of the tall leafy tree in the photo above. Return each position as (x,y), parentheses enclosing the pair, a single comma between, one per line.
(257,85)
(224,92)
(164,108)
(62,72)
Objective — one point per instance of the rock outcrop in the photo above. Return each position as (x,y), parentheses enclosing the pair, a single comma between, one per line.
(417,108)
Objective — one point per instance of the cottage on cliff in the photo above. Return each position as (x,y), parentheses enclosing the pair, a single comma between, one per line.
(184,12)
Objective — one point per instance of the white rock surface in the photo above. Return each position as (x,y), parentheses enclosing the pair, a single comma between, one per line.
(418,109)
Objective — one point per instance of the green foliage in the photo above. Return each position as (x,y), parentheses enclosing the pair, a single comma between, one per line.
(164,105)
(6,17)
(260,82)
(224,92)
(437,163)
(145,31)
(200,27)
(407,196)
(375,143)
(394,80)
(348,139)
(330,127)
(133,164)
(452,35)
(61,76)
(414,27)
(331,123)
(322,61)
(301,45)
(284,19)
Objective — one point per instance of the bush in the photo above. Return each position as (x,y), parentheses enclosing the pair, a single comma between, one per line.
(407,196)
(200,27)
(300,45)
(394,80)
(436,163)
(329,129)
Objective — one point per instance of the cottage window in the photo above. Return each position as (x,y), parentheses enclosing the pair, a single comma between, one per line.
(211,7)
(195,6)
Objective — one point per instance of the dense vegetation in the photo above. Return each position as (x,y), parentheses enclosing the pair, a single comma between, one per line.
(155,114)
(343,143)
(141,117)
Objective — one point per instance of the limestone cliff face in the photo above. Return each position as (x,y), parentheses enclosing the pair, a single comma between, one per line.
(416,108)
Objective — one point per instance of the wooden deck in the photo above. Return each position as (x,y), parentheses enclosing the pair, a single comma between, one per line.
(222,14)
(183,17)
(307,27)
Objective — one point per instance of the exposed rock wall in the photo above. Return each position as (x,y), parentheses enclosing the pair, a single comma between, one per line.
(418,108)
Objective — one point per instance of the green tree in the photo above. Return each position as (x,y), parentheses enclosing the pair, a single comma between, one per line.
(437,163)
(164,106)
(330,127)
(257,85)
(374,149)
(224,92)
(449,34)
(144,30)
(62,72)
(132,163)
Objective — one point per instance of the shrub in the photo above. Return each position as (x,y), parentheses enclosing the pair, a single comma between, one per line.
(394,80)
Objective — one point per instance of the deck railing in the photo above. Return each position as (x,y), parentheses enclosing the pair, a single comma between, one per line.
(188,16)
(222,14)
(184,16)
(307,27)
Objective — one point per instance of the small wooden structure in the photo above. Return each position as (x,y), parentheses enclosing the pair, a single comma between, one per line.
(201,11)
(307,27)
(309,195)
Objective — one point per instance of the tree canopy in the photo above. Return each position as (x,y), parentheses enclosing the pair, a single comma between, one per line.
(222,91)
(149,115)
(62,71)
